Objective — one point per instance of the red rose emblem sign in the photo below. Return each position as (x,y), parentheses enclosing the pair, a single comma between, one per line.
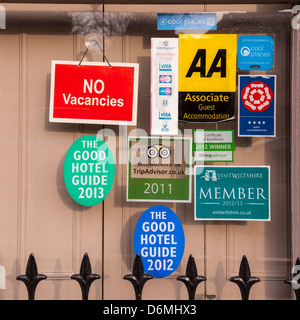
(257,106)
(257,96)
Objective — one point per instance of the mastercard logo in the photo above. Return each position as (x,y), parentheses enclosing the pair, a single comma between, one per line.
(165,79)
(165,91)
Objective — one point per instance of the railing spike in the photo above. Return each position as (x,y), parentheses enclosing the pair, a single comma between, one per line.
(138,278)
(191,278)
(31,278)
(295,283)
(244,279)
(85,278)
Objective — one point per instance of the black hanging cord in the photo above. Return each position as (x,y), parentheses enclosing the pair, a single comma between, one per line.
(87,49)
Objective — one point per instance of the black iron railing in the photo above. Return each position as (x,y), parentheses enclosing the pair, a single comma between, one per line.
(138,278)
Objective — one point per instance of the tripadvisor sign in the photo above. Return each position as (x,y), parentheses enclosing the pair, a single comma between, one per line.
(89,170)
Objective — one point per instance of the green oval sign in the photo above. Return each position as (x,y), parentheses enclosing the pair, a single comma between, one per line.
(89,170)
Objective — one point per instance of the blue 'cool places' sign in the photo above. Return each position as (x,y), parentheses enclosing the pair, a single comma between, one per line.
(186,21)
(255,52)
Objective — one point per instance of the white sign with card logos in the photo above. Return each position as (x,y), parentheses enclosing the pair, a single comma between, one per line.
(164,86)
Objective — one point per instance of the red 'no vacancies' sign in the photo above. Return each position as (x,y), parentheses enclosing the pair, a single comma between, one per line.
(93,93)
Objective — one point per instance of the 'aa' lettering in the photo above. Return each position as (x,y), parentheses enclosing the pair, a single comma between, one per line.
(218,65)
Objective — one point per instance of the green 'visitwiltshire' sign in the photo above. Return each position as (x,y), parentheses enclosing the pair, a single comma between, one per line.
(232,193)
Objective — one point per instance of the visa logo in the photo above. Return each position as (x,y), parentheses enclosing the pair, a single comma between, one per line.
(164,116)
(165,67)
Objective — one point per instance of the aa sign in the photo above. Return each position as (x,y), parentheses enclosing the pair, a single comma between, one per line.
(94,93)
(207,77)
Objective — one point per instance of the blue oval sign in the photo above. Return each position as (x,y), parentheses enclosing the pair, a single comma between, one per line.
(159,239)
